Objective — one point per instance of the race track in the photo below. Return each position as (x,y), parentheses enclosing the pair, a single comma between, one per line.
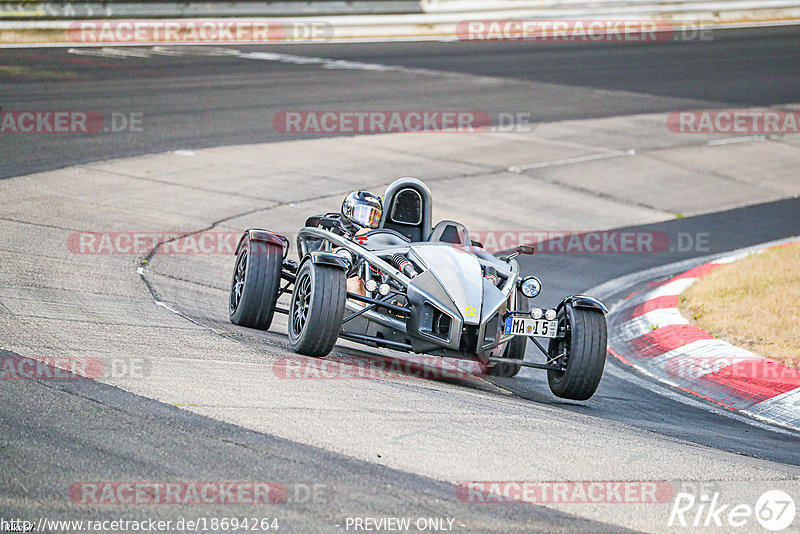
(211,404)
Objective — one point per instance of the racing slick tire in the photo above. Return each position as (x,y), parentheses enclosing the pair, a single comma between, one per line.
(255,284)
(315,314)
(515,348)
(584,347)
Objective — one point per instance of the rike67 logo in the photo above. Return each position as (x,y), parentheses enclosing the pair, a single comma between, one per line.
(774,510)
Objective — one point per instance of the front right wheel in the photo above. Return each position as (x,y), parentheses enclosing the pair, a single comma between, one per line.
(315,314)
(582,351)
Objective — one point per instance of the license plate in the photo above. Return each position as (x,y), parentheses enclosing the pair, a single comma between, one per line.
(524,326)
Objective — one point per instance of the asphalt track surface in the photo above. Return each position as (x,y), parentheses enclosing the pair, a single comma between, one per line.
(193,101)
(205,101)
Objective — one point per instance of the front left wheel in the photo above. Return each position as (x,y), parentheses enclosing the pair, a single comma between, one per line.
(515,348)
(315,314)
(582,351)
(255,284)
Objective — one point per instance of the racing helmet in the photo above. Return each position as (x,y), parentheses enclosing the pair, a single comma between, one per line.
(362,209)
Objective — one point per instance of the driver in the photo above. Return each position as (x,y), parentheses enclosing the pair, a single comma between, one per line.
(361,212)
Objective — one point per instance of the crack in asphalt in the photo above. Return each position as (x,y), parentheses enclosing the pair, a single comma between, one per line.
(688,167)
(41,225)
(175,184)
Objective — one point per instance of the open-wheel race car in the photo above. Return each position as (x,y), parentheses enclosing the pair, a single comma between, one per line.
(403,284)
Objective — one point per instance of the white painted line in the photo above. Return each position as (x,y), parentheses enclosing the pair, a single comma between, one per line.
(752,138)
(649,322)
(685,351)
(671,289)
(570,161)
(736,257)
(325,63)
(194,51)
(165,306)
(699,358)
(112,52)
(783,409)
(734,140)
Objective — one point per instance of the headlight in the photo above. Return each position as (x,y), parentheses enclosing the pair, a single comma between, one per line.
(550,315)
(530,286)
(536,313)
(384,289)
(371,285)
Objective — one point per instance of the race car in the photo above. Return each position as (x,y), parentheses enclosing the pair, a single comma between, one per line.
(380,274)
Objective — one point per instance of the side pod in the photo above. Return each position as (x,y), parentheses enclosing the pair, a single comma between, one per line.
(583,301)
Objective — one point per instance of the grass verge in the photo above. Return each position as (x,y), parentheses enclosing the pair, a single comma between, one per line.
(753,303)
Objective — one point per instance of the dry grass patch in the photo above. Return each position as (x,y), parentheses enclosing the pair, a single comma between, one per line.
(753,303)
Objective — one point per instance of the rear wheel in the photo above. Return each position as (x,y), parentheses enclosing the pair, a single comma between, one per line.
(255,284)
(582,350)
(315,314)
(515,348)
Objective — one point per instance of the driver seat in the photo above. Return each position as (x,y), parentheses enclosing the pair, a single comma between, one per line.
(407,208)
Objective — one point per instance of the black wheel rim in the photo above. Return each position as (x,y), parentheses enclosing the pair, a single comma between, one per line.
(301,302)
(237,286)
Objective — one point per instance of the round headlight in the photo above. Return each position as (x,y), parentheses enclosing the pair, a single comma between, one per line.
(371,285)
(530,286)
(536,313)
(384,289)
(550,315)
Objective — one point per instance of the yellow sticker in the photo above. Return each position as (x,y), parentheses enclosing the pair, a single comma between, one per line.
(469,310)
